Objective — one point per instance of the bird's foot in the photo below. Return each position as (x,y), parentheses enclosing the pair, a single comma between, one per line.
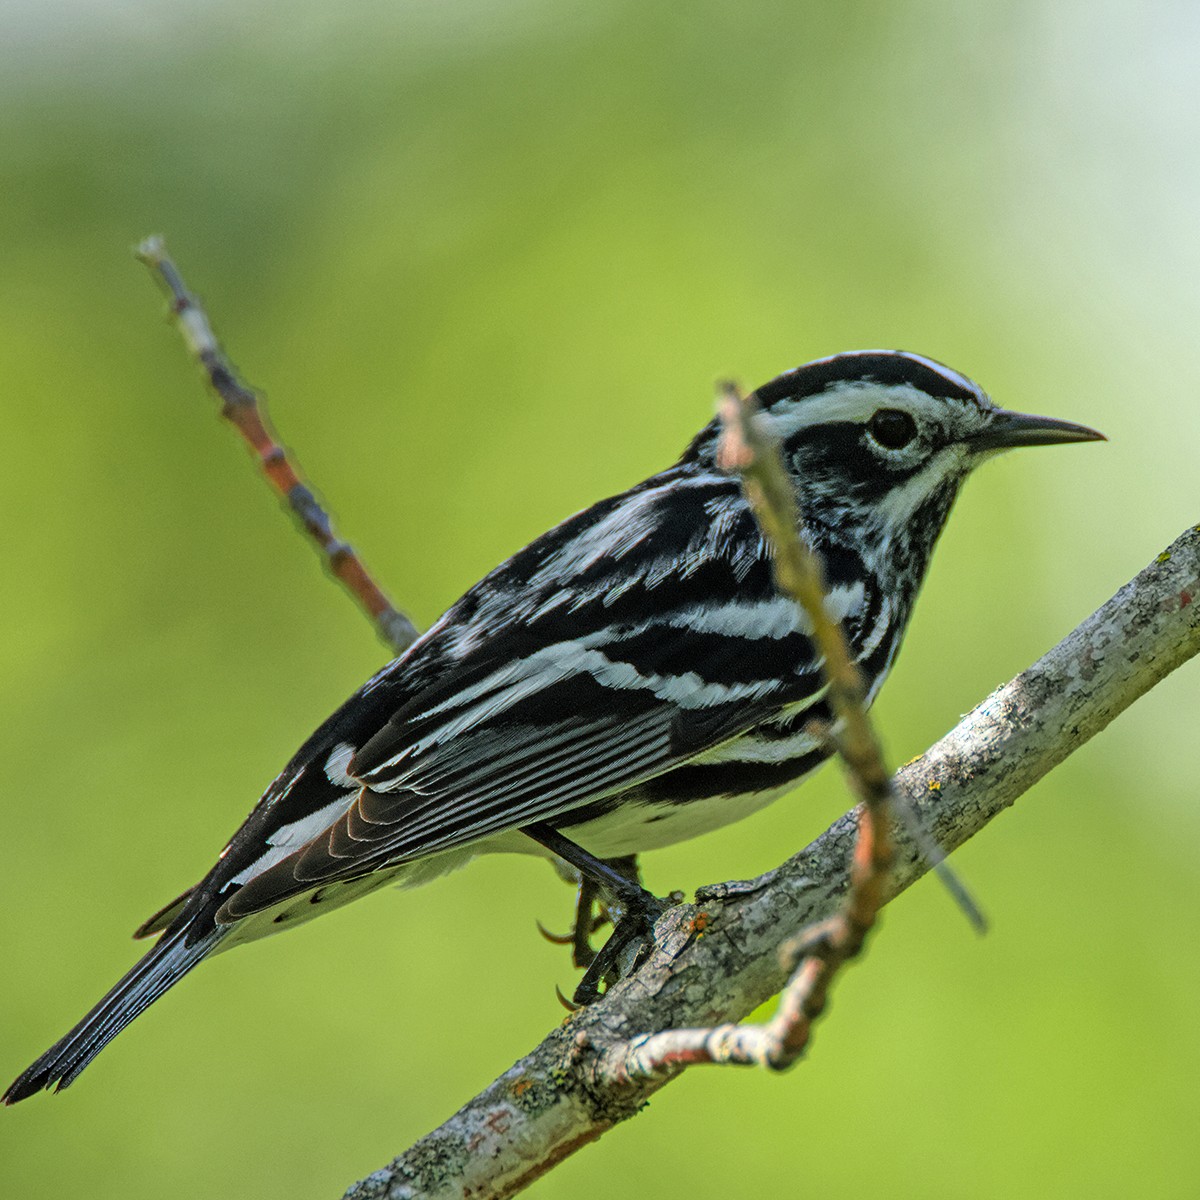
(616,883)
(627,948)
(595,908)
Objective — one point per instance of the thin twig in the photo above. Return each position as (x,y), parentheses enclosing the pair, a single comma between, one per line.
(244,410)
(799,574)
(748,448)
(815,957)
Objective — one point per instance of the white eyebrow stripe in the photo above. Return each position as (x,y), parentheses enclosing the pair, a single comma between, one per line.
(852,402)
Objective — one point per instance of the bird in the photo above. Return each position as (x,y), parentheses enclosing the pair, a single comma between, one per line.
(629,679)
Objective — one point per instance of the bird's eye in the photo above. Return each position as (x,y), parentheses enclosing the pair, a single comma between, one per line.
(892,428)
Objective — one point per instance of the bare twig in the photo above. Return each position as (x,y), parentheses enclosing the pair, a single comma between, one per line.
(820,951)
(815,955)
(747,448)
(243,409)
(717,960)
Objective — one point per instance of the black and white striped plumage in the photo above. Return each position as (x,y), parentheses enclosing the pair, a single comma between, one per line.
(630,678)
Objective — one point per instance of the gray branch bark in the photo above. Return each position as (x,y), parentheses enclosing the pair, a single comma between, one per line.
(717,959)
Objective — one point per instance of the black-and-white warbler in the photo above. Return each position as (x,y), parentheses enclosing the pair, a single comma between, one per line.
(630,678)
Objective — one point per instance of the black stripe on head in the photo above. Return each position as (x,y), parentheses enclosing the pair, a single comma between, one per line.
(834,459)
(889,368)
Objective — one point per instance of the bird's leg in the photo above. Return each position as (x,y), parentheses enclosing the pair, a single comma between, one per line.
(608,910)
(593,910)
(609,906)
(631,908)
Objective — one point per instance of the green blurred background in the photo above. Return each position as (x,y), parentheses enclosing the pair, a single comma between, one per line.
(486,258)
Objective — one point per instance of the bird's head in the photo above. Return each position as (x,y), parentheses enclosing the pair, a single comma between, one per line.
(879,443)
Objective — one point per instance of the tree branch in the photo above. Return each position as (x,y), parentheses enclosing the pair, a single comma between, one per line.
(717,960)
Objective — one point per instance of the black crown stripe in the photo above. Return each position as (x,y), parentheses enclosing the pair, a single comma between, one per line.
(889,369)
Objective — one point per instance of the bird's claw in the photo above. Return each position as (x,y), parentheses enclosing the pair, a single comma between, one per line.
(555,939)
(569,1005)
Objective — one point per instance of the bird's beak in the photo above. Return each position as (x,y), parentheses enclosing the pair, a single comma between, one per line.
(1010,429)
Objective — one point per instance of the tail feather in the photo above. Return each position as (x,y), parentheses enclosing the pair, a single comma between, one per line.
(168,962)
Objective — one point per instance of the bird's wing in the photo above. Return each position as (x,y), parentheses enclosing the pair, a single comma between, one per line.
(627,640)
(531,736)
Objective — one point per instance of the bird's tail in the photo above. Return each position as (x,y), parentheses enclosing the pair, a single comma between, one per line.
(168,962)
